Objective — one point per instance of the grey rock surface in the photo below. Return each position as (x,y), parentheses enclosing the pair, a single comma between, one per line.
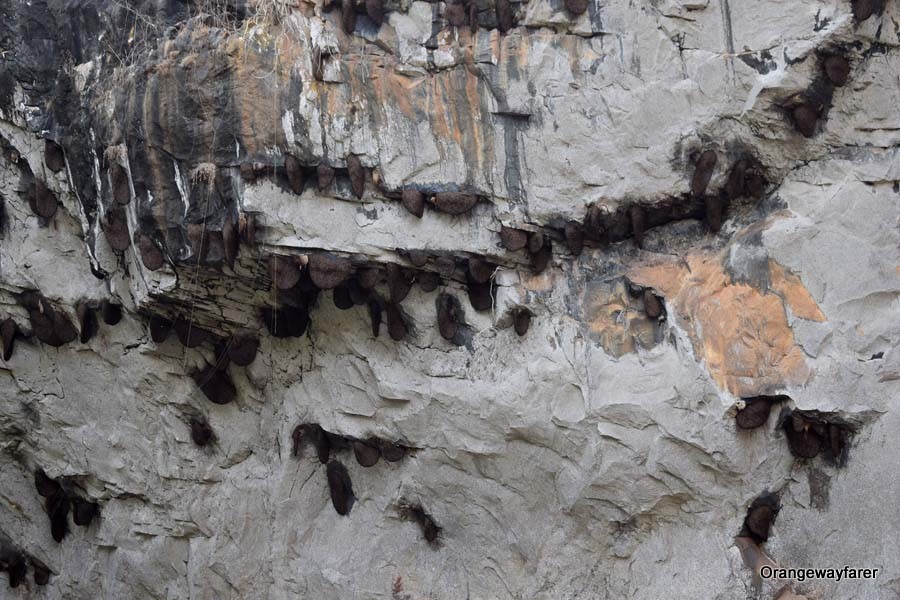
(595,456)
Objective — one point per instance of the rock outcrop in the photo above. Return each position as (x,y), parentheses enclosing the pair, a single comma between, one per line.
(638,267)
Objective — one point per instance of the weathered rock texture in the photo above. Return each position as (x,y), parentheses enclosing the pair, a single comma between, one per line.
(533,255)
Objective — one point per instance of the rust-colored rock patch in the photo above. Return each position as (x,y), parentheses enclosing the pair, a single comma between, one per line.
(741,332)
(617,320)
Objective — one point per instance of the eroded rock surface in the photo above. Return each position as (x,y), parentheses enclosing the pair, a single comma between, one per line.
(594,233)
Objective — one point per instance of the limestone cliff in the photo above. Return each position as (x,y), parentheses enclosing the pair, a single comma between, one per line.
(473,299)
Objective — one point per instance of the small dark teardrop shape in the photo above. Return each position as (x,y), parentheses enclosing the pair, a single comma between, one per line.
(430,531)
(481,270)
(285,271)
(449,314)
(837,68)
(325,175)
(734,186)
(297,441)
(118,177)
(576,7)
(216,385)
(41,575)
(117,229)
(151,256)
(397,327)
(341,297)
(160,328)
(340,487)
(348,16)
(367,277)
(413,201)
(283,323)
(358,295)
(804,443)
(454,203)
(837,442)
(541,258)
(8,332)
(455,14)
(513,239)
(375,309)
(87,322)
(713,207)
(17,569)
(535,242)
(242,347)
(58,510)
(321,442)
(294,171)
(327,271)
(53,156)
(201,432)
(111,312)
(653,308)
(357,175)
(703,172)
(863,9)
(45,486)
(760,520)
(481,295)
(42,200)
(375,11)
(400,281)
(65,330)
(83,512)
(445,265)
(805,119)
(366,454)
(419,258)
(521,321)
(429,281)
(637,224)
(231,241)
(392,452)
(574,238)
(754,414)
(189,334)
(504,15)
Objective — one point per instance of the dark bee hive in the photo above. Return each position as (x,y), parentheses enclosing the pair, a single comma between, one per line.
(340,487)
(513,239)
(760,517)
(703,172)
(357,175)
(454,203)
(413,201)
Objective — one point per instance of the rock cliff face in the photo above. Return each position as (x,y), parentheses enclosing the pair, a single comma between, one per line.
(477,299)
